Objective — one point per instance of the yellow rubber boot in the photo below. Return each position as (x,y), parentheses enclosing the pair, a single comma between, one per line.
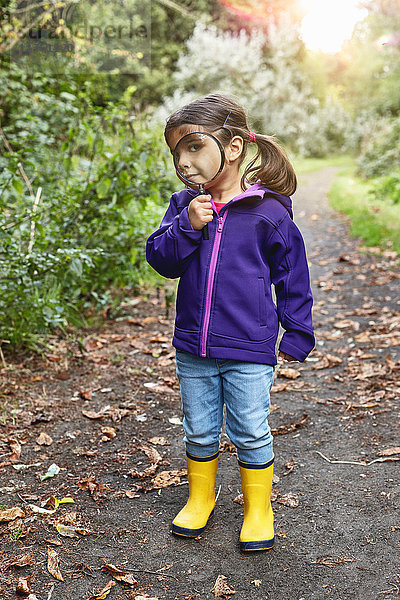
(193,517)
(257,532)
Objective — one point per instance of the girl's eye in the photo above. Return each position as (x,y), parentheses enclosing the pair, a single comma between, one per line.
(194,147)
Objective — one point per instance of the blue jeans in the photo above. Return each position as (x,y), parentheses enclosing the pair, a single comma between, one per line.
(209,383)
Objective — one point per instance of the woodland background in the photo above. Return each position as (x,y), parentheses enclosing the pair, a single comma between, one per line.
(85,175)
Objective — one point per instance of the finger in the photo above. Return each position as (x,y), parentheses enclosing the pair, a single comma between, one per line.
(204,198)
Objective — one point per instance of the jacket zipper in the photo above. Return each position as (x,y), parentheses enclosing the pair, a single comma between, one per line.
(210,283)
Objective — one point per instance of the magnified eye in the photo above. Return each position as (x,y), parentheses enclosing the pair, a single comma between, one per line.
(194,147)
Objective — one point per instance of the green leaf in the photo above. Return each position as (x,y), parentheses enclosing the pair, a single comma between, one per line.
(103,187)
(18,185)
(75,267)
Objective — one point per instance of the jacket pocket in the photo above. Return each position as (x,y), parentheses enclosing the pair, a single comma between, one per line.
(262,302)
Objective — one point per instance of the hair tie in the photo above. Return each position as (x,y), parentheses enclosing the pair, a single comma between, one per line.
(252,137)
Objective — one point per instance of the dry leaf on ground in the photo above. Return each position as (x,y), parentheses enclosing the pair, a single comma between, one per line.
(329,561)
(159,441)
(290,465)
(95,488)
(53,564)
(290,499)
(22,560)
(290,427)
(119,574)
(167,478)
(221,588)
(23,587)
(91,414)
(104,592)
(108,433)
(328,361)
(9,514)
(15,449)
(44,439)
(153,456)
(288,372)
(389,452)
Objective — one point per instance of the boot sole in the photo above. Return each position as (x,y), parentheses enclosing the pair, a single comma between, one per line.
(258,545)
(187,532)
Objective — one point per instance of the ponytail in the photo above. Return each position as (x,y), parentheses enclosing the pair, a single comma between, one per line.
(270,166)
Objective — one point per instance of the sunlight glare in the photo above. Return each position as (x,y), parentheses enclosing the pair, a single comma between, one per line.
(328,23)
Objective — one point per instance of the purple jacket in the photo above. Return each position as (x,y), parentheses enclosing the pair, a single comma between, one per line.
(224,306)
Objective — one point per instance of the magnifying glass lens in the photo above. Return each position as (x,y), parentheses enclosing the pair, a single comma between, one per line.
(198,158)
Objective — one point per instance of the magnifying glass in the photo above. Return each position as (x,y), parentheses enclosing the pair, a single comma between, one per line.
(198,158)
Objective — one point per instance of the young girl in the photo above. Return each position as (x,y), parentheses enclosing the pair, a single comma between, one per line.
(226,323)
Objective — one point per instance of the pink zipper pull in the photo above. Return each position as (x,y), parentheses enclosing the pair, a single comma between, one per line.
(220,222)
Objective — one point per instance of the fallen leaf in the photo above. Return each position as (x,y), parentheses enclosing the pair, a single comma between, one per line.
(257,582)
(239,499)
(86,394)
(53,357)
(53,564)
(291,500)
(22,560)
(175,421)
(159,441)
(53,503)
(22,467)
(132,494)
(40,510)
(346,323)
(154,457)
(148,320)
(51,471)
(53,542)
(104,592)
(95,488)
(23,587)
(288,373)
(168,478)
(389,452)
(15,449)
(329,561)
(108,433)
(290,465)
(221,588)
(119,574)
(92,345)
(327,361)
(44,439)
(66,530)
(91,414)
(9,514)
(290,427)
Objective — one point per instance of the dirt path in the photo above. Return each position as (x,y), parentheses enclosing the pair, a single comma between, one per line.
(336,523)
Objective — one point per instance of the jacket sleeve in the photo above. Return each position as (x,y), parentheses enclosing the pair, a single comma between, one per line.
(170,249)
(290,276)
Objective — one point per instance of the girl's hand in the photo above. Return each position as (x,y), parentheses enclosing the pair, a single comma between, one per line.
(200,211)
(283,356)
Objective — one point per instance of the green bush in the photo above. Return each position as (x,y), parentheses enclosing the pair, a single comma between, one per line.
(380,147)
(387,188)
(105,180)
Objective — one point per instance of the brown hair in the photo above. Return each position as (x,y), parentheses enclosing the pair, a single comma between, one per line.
(226,119)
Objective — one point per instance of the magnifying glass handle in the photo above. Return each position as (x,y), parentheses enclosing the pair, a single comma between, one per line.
(205,228)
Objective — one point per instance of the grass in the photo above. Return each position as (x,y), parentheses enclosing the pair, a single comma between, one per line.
(308,165)
(376,221)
